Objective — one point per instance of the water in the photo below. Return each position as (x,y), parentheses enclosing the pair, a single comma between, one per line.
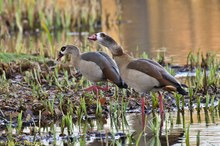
(176,27)
(209,131)
(171,26)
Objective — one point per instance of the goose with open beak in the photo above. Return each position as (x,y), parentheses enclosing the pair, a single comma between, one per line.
(95,66)
(143,75)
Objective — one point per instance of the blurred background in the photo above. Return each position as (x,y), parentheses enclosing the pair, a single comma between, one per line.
(171,27)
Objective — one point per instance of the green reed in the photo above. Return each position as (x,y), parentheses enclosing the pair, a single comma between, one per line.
(198,108)
(198,139)
(154,125)
(10,139)
(124,106)
(219,107)
(28,15)
(183,111)
(187,135)
(178,97)
(50,105)
(191,94)
(207,120)
(154,101)
(98,108)
(19,120)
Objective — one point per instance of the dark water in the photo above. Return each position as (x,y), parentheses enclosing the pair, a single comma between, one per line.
(174,26)
(209,131)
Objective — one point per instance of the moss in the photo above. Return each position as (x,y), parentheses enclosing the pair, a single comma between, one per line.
(10,57)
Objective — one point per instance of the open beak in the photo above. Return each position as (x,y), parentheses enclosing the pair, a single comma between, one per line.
(60,55)
(93,37)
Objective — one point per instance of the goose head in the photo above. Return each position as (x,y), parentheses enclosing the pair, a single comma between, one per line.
(68,49)
(107,41)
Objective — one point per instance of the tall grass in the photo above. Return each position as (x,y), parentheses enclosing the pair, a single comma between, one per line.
(26,15)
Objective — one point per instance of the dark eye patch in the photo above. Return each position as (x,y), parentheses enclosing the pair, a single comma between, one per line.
(102,35)
(63,49)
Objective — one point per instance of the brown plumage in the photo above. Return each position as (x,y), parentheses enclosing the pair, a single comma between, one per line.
(130,68)
(95,66)
(142,75)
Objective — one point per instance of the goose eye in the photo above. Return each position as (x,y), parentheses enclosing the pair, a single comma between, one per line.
(63,49)
(102,35)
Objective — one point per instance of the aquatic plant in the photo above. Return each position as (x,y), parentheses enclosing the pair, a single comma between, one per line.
(187,136)
(193,59)
(124,106)
(183,112)
(170,70)
(139,138)
(30,16)
(198,108)
(144,55)
(50,105)
(83,106)
(39,123)
(63,124)
(4,88)
(10,139)
(69,123)
(177,97)
(198,139)
(154,125)
(212,108)
(154,101)
(118,115)
(219,107)
(98,108)
(191,93)
(206,115)
(167,131)
(66,78)
(19,127)
(207,97)
(115,117)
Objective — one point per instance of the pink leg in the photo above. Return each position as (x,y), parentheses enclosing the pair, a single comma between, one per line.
(161,108)
(93,88)
(143,111)
(96,89)
(106,88)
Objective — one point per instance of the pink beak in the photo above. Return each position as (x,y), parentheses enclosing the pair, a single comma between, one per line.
(93,37)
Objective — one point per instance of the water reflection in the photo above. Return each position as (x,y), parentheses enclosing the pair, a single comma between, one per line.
(178,26)
(100,132)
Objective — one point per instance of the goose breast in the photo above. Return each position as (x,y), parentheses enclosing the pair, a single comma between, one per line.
(91,71)
(139,81)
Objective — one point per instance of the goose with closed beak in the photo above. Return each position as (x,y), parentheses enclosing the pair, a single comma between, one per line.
(142,75)
(95,66)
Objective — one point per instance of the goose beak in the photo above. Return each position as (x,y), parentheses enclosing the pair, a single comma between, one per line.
(92,37)
(60,55)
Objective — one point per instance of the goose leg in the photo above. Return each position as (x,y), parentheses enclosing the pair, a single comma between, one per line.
(93,88)
(96,89)
(162,115)
(143,109)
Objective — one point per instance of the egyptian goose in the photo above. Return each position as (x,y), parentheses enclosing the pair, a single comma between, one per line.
(142,75)
(95,66)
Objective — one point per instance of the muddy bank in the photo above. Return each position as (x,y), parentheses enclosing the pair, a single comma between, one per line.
(45,92)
